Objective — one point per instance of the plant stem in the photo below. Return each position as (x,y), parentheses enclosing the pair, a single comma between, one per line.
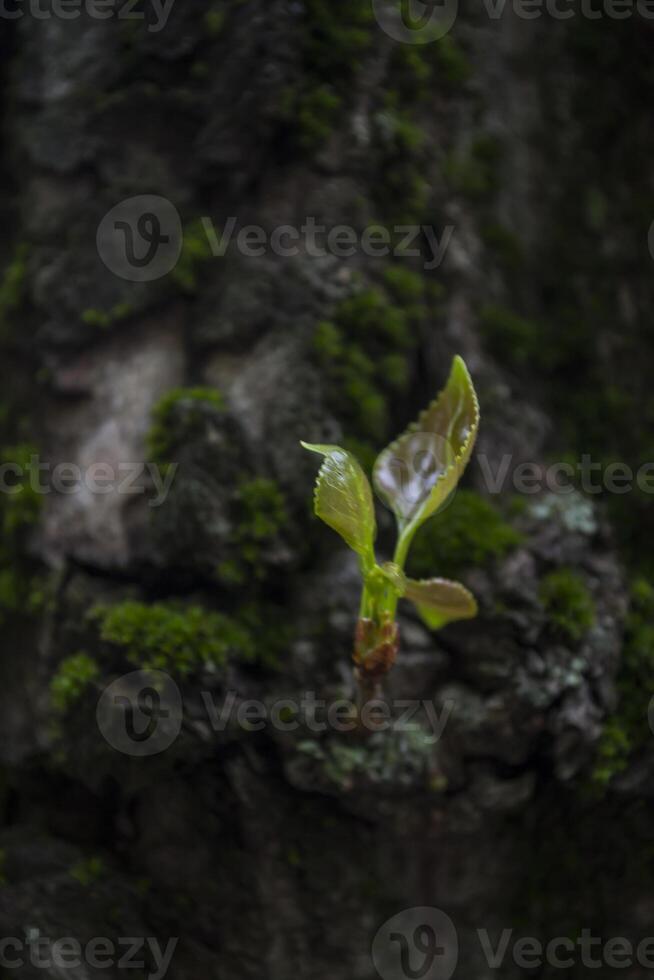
(377,612)
(368,689)
(401,551)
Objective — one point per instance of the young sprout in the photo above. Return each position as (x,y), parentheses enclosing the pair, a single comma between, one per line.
(414,477)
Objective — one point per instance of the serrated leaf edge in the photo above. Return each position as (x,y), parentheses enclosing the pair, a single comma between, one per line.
(326,451)
(416,426)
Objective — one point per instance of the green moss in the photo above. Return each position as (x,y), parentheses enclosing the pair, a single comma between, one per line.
(176,638)
(214,21)
(20,588)
(366,350)
(405,286)
(568,603)
(395,371)
(352,374)
(399,187)
(596,209)
(415,71)
(337,34)
(21,592)
(200,70)
(187,419)
(74,675)
(333,38)
(12,591)
(435,291)
(451,61)
(260,516)
(401,159)
(196,252)
(21,502)
(104,319)
(183,639)
(408,136)
(88,871)
(504,244)
(316,114)
(269,627)
(591,344)
(177,418)
(476,173)
(95,318)
(12,286)
(371,406)
(263,507)
(20,509)
(328,341)
(411,70)
(468,533)
(353,379)
(613,751)
(369,315)
(231,572)
(627,729)
(511,337)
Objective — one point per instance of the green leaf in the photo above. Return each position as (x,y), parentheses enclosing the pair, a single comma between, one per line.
(343,499)
(440,601)
(416,473)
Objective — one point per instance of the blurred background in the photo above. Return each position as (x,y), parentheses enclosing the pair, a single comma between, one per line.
(231,225)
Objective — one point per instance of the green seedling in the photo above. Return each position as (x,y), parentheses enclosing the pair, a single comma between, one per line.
(415,477)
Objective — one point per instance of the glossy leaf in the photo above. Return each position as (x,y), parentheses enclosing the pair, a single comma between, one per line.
(343,499)
(417,472)
(440,601)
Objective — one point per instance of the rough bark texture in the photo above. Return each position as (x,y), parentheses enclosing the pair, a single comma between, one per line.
(280,853)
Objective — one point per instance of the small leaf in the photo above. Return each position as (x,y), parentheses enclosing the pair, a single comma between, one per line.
(440,601)
(417,472)
(343,499)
